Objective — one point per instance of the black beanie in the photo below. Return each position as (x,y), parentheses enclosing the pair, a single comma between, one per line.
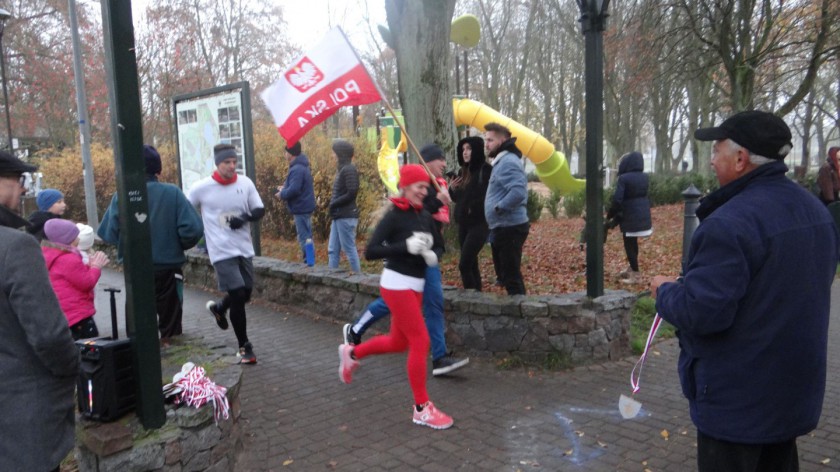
(222,152)
(431,152)
(152,158)
(294,149)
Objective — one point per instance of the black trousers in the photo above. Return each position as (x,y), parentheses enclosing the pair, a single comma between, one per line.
(631,247)
(235,301)
(168,302)
(714,455)
(508,241)
(472,239)
(84,329)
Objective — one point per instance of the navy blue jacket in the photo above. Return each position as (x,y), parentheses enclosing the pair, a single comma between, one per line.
(298,192)
(752,309)
(630,199)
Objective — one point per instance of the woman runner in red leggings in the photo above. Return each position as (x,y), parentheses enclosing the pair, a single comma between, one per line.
(407,239)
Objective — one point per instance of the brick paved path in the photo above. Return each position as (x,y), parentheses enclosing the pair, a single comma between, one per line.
(299,416)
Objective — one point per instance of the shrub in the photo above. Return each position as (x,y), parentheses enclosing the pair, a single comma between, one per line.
(534,206)
(667,189)
(574,204)
(553,204)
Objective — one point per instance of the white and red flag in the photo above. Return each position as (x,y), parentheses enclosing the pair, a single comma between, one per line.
(326,78)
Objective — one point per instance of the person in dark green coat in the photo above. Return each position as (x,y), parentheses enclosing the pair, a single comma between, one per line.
(175,226)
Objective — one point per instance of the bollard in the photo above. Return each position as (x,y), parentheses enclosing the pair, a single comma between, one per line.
(691,197)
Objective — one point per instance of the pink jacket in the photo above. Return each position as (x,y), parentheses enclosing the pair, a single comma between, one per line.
(72,280)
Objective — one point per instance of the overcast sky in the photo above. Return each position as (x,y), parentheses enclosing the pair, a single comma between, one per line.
(309,20)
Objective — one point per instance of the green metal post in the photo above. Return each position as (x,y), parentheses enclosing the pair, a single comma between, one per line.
(135,237)
(593,22)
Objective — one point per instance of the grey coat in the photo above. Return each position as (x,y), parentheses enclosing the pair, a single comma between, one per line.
(38,361)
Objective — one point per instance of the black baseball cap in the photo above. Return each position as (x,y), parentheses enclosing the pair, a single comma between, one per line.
(762,133)
(11,165)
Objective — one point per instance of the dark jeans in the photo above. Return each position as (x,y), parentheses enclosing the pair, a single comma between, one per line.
(714,455)
(471,239)
(168,302)
(508,241)
(631,247)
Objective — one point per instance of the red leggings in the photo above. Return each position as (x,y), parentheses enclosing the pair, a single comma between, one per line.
(408,331)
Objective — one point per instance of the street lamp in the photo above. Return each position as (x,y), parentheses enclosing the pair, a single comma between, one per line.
(593,21)
(5,15)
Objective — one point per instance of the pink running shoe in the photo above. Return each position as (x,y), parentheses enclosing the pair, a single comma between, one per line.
(432,417)
(346,364)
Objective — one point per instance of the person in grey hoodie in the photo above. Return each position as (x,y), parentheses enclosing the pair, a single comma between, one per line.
(343,210)
(505,206)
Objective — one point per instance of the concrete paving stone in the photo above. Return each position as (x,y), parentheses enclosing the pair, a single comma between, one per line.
(293,405)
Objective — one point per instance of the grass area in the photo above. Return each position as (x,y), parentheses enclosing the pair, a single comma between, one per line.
(641,318)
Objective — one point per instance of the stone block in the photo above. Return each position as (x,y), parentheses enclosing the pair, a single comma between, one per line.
(172,452)
(505,338)
(222,465)
(106,439)
(485,307)
(597,337)
(189,417)
(563,343)
(536,340)
(563,306)
(200,461)
(532,309)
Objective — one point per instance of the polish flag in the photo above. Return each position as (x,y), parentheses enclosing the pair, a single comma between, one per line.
(326,78)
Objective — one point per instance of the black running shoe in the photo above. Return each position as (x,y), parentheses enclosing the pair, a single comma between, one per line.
(213,308)
(447,364)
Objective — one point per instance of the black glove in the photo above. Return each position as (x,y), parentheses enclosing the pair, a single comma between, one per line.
(236,222)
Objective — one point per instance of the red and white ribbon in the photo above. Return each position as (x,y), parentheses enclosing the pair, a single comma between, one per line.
(195,389)
(635,379)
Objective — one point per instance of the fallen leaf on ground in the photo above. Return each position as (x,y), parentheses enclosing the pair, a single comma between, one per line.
(287,462)
(825,461)
(664,434)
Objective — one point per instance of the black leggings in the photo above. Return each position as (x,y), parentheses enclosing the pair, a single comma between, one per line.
(235,300)
(631,247)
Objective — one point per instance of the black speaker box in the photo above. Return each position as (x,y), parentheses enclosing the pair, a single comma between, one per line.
(106,389)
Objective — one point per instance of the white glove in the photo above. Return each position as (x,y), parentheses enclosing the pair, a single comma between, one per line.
(418,242)
(430,257)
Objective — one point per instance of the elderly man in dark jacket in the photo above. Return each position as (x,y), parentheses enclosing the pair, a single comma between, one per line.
(752,309)
(631,209)
(299,194)
(38,361)
(343,210)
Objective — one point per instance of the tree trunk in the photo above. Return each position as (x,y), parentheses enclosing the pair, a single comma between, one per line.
(420,32)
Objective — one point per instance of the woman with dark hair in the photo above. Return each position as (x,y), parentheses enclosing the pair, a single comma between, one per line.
(631,208)
(467,190)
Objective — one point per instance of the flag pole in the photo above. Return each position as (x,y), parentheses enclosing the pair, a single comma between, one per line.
(393,114)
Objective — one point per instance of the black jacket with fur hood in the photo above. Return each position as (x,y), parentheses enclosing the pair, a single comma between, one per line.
(469,196)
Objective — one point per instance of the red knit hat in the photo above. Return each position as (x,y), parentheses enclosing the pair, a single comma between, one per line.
(412,173)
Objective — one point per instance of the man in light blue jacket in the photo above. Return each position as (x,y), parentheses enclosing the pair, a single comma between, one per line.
(505,206)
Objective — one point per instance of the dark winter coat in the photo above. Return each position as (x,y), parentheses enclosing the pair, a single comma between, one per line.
(752,310)
(298,191)
(174,224)
(469,197)
(630,202)
(388,239)
(345,189)
(37,220)
(39,362)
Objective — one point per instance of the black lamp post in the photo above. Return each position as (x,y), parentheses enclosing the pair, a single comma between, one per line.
(5,15)
(593,21)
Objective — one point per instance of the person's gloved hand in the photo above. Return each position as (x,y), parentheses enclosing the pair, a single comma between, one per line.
(430,257)
(416,243)
(237,222)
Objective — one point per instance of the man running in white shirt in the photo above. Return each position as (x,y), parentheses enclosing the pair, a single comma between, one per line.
(228,203)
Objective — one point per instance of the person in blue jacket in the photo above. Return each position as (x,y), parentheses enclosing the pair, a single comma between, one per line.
(505,206)
(752,307)
(299,194)
(175,227)
(631,209)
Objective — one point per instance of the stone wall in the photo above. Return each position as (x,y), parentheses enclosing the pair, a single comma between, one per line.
(190,440)
(568,329)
